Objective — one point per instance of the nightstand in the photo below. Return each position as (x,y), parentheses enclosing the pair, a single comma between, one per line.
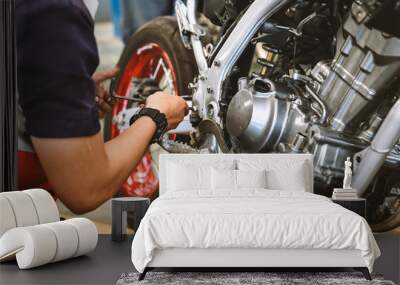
(120,208)
(357,205)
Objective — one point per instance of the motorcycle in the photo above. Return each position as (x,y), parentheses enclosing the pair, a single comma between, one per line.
(283,76)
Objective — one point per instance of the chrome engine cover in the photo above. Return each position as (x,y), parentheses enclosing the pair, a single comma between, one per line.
(262,119)
(331,116)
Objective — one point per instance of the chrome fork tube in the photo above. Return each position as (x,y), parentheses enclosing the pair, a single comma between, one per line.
(210,89)
(384,140)
(195,40)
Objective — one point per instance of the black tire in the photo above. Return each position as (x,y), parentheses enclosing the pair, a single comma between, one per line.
(163,31)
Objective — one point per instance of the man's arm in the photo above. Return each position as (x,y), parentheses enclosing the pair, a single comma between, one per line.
(84,172)
(57,56)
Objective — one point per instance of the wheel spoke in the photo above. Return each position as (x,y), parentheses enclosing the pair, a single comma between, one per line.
(163,74)
(158,66)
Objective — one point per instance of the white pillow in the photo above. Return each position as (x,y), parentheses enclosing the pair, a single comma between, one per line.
(182,177)
(251,178)
(292,179)
(223,179)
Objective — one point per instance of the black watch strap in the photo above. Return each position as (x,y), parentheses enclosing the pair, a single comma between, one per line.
(159,119)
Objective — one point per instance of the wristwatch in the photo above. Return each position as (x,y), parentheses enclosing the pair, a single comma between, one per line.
(158,118)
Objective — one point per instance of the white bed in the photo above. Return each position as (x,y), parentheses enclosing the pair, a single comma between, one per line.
(248,227)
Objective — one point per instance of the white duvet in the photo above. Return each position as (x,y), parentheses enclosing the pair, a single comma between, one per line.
(253,218)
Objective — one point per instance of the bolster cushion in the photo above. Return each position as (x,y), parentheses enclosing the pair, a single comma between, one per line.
(26,208)
(40,244)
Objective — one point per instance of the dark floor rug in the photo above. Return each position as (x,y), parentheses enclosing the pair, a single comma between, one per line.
(243,278)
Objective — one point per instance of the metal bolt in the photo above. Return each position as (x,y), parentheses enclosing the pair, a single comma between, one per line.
(210,111)
(314,119)
(202,77)
(358,12)
(217,63)
(210,90)
(291,11)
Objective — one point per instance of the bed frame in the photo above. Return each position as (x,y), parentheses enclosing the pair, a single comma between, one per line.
(245,258)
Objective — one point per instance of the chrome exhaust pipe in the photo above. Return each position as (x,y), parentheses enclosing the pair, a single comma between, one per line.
(375,155)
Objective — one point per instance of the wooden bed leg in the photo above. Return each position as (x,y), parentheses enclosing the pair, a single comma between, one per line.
(143,274)
(364,271)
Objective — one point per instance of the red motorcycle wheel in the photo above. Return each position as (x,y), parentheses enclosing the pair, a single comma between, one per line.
(154,51)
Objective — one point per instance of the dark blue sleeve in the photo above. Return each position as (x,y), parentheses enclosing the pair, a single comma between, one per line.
(57,55)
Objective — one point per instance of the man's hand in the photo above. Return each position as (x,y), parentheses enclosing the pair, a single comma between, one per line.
(103,99)
(174,107)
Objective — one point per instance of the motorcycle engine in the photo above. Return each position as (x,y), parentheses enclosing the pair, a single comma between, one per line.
(331,109)
(262,115)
